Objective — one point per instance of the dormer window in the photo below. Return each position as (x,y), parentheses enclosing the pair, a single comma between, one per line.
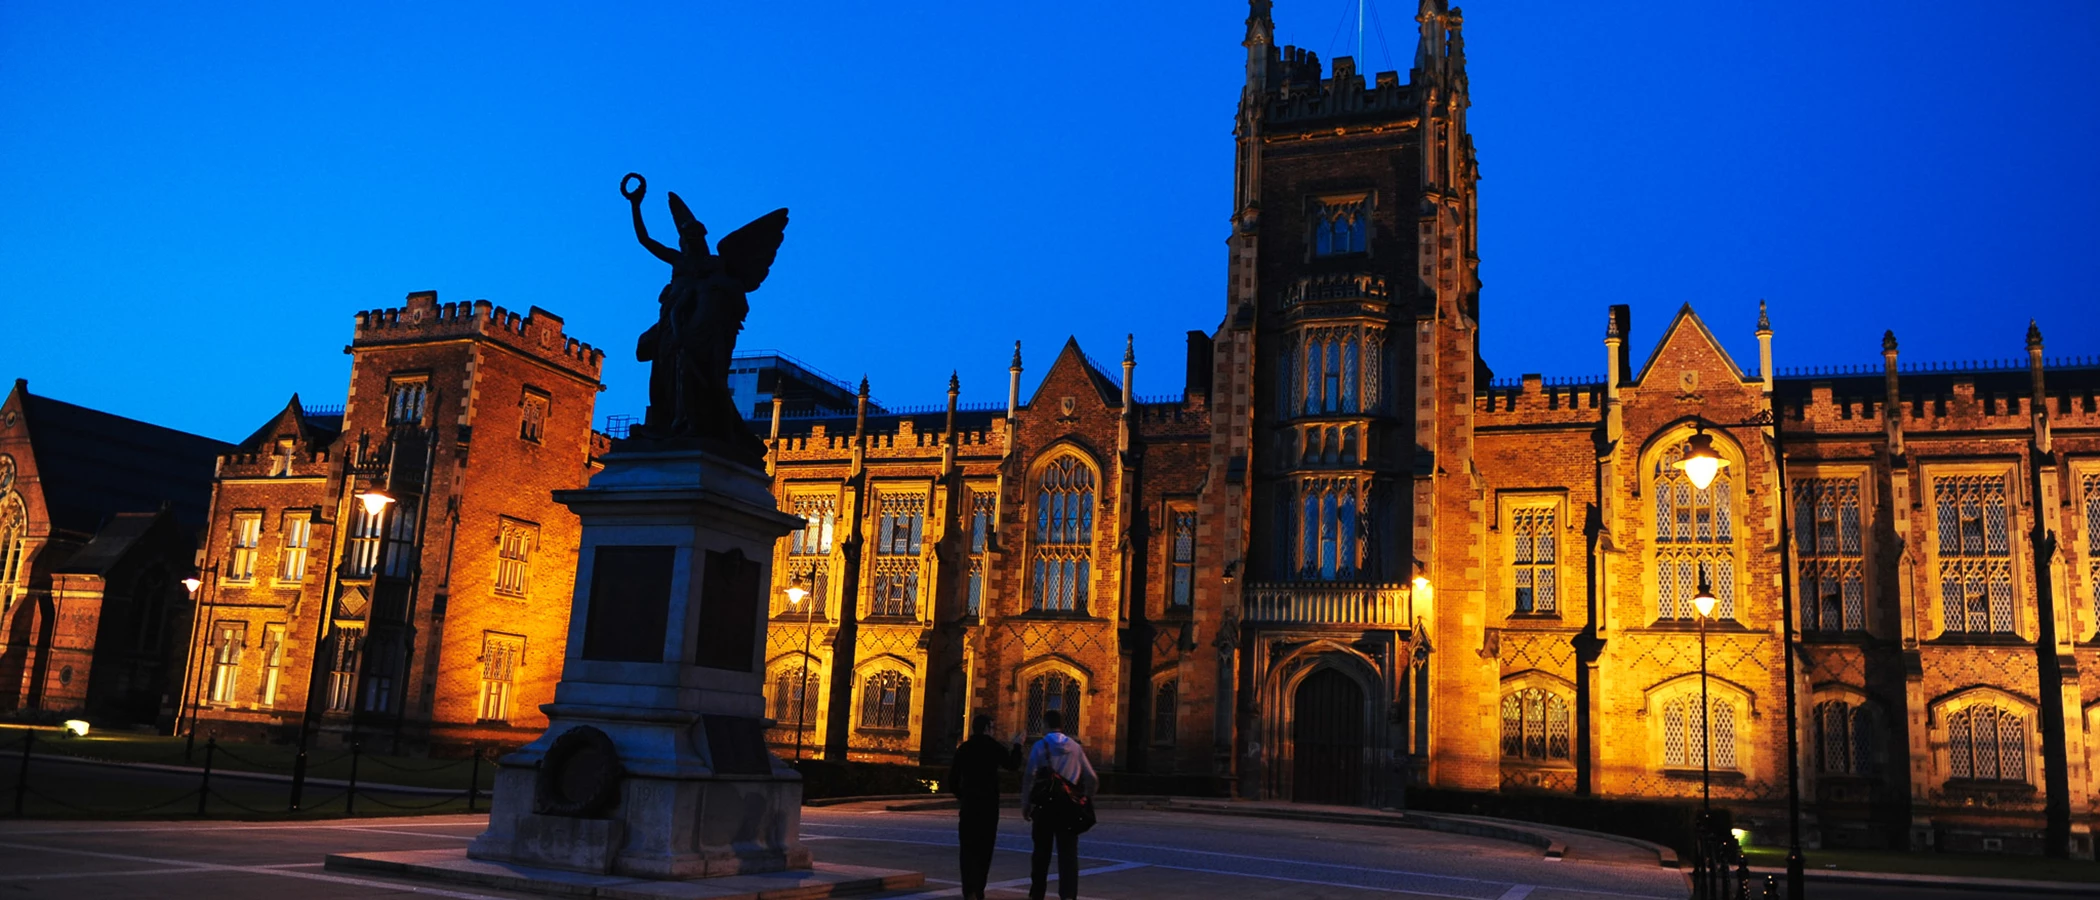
(1341,225)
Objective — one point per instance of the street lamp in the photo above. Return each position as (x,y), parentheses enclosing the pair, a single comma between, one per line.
(198,625)
(796,590)
(1701,464)
(1704,603)
(374,500)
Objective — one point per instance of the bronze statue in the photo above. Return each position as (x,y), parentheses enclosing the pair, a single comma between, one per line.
(699,314)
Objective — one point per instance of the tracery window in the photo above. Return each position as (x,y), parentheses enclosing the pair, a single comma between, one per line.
(405,401)
(499,669)
(1329,536)
(1844,738)
(795,693)
(532,416)
(1341,226)
(1337,371)
(1535,725)
(514,556)
(885,701)
(1064,536)
(1975,554)
(14,536)
(1694,537)
(819,516)
(1827,541)
(1684,734)
(1181,591)
(2092,539)
(983,517)
(1053,690)
(901,525)
(1534,559)
(1987,743)
(1165,710)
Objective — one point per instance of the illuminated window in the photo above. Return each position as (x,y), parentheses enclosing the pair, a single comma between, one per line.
(342,670)
(1975,554)
(361,552)
(405,398)
(1987,743)
(229,638)
(14,536)
(1694,537)
(819,515)
(297,535)
(795,693)
(1827,539)
(1534,559)
(1341,226)
(1534,726)
(532,416)
(273,663)
(2092,538)
(500,654)
(1182,586)
(281,459)
(885,701)
(514,540)
(1053,690)
(1684,737)
(401,539)
(247,540)
(1327,543)
(901,524)
(1064,536)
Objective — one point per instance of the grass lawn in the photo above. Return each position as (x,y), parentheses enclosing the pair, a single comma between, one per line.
(2033,868)
(322,762)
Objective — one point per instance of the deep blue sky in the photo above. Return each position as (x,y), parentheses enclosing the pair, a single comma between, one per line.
(195,198)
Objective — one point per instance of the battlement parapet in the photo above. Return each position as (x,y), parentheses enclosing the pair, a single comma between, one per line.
(264,464)
(536,333)
(1299,95)
(1356,286)
(1537,398)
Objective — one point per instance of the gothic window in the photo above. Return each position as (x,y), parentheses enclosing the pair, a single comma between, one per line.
(1694,537)
(342,670)
(500,654)
(1535,726)
(296,532)
(819,516)
(405,398)
(1684,735)
(1181,591)
(228,639)
(2092,539)
(896,589)
(514,540)
(795,692)
(983,517)
(1827,541)
(900,525)
(885,701)
(1844,738)
(361,554)
(14,535)
(1064,536)
(1534,559)
(1053,690)
(273,664)
(246,544)
(1987,743)
(1328,530)
(1975,554)
(1341,226)
(532,416)
(1165,711)
(401,539)
(1340,372)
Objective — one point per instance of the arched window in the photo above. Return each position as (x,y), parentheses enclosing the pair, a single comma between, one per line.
(1534,726)
(1328,529)
(795,694)
(885,701)
(1844,739)
(1987,743)
(1694,537)
(1165,706)
(1827,539)
(14,535)
(1064,536)
(1053,690)
(1684,734)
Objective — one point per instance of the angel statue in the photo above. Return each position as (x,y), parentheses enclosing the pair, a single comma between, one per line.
(699,314)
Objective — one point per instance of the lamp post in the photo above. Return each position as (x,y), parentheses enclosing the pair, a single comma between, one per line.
(198,626)
(795,592)
(374,501)
(1701,464)
(1704,603)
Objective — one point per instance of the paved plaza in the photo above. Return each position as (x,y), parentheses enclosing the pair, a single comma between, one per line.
(1133,855)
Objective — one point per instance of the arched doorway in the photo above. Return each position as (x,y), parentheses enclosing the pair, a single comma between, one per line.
(1327,736)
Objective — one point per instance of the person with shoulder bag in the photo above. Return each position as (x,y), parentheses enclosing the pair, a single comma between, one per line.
(1057,790)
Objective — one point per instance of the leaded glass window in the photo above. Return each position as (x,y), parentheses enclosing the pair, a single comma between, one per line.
(885,701)
(1844,738)
(819,517)
(1831,553)
(1987,743)
(1694,537)
(1534,725)
(1341,226)
(795,692)
(1329,534)
(2091,484)
(1684,734)
(1064,537)
(1181,591)
(1053,690)
(1533,558)
(1975,554)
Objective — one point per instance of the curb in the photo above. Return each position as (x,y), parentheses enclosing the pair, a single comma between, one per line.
(1548,847)
(1897,879)
(164,768)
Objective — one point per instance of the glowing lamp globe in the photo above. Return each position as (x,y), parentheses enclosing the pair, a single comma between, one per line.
(1700,462)
(795,594)
(374,501)
(192,583)
(1704,602)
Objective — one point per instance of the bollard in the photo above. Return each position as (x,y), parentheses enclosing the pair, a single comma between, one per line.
(22,775)
(350,796)
(298,777)
(211,747)
(1771,888)
(474,781)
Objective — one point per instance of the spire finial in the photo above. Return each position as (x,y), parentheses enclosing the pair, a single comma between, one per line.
(864,387)
(2034,335)
(1764,322)
(1129,349)
(1017,356)
(954,383)
(1888,341)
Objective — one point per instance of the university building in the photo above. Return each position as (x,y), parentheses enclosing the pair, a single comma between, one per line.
(1349,558)
(409,541)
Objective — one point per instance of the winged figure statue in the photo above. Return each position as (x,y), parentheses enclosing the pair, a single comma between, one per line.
(699,314)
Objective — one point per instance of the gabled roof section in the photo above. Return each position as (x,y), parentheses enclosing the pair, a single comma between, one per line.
(312,431)
(1105,387)
(1697,327)
(94,465)
(115,541)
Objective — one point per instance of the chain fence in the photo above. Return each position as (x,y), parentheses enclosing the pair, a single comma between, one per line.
(233,784)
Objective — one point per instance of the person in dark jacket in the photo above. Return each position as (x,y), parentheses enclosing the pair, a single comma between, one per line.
(974,779)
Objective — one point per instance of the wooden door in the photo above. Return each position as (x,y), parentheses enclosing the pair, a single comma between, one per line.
(1327,733)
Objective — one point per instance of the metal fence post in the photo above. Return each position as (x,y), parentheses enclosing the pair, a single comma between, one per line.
(474,782)
(211,748)
(298,778)
(22,774)
(350,796)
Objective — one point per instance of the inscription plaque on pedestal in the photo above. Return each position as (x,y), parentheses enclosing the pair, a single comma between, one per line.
(729,604)
(630,600)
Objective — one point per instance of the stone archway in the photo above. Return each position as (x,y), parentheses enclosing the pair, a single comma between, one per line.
(1327,736)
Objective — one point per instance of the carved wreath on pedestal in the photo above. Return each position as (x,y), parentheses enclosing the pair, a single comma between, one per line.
(580,775)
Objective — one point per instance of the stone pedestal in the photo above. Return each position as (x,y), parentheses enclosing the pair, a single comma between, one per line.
(654,763)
